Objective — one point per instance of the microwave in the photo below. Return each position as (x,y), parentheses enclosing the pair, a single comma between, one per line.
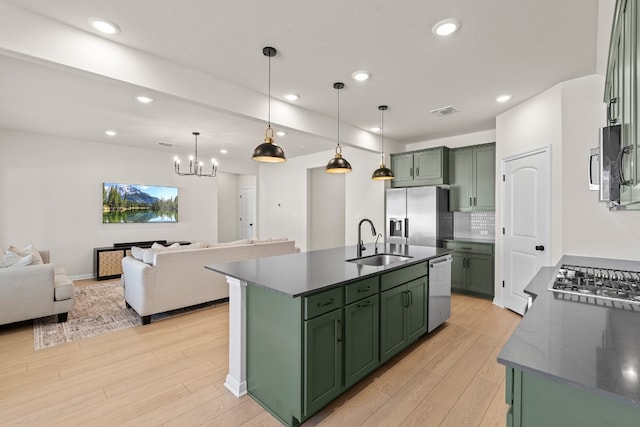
(604,165)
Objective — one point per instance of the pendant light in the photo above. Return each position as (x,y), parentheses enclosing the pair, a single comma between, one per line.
(268,151)
(382,173)
(338,164)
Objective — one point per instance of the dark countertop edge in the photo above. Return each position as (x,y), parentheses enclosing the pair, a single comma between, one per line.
(472,240)
(386,269)
(533,289)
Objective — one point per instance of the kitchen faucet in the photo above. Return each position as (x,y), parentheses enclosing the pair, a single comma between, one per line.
(360,242)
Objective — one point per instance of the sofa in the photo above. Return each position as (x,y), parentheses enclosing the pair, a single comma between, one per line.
(33,291)
(174,278)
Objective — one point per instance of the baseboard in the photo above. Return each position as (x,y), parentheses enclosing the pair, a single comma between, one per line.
(82,277)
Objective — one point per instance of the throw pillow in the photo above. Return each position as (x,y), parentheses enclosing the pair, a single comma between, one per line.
(28,250)
(137,253)
(12,259)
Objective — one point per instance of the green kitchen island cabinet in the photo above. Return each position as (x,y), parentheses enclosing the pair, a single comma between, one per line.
(314,322)
(573,360)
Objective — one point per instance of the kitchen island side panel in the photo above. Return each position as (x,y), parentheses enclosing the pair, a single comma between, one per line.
(274,362)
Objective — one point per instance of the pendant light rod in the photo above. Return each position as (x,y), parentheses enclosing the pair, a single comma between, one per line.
(269,52)
(338,86)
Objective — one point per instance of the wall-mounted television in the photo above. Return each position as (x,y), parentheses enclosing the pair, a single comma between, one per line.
(127,203)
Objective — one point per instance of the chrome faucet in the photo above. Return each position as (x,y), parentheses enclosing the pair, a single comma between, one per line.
(360,242)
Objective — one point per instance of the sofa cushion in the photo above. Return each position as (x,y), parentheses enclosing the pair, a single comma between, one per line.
(63,287)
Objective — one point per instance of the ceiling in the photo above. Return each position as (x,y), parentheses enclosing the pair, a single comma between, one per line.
(503,46)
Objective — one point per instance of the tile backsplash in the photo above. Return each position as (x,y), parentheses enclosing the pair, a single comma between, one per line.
(474,225)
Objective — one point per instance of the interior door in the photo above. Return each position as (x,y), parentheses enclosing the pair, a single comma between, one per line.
(247,198)
(526,216)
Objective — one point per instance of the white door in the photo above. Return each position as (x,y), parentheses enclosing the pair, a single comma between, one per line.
(247,198)
(526,215)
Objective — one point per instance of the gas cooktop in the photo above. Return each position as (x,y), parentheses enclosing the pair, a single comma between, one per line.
(599,283)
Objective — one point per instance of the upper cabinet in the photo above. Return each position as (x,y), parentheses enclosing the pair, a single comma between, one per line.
(424,167)
(472,178)
(621,97)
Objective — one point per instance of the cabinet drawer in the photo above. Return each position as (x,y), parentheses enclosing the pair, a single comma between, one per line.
(404,275)
(324,302)
(362,289)
(478,248)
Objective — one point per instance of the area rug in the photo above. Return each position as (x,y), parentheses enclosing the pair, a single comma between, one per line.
(97,309)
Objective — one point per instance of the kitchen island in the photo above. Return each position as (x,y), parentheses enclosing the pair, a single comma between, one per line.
(305,327)
(574,360)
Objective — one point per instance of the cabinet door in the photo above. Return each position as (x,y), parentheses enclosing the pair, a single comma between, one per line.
(428,167)
(322,360)
(361,350)
(417,309)
(392,321)
(402,168)
(484,162)
(480,274)
(460,189)
(458,271)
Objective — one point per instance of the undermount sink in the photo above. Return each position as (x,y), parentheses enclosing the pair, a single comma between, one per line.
(379,259)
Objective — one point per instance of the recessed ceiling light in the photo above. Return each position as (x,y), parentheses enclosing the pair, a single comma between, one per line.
(361,75)
(281,133)
(144,99)
(503,98)
(291,96)
(446,27)
(104,25)
(223,151)
(375,129)
(110,132)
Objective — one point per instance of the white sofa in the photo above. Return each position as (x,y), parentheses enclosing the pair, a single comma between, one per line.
(177,279)
(34,291)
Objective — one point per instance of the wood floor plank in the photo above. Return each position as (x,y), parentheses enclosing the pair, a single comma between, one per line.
(171,373)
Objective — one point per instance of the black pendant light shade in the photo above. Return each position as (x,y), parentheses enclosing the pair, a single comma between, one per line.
(383,173)
(268,151)
(338,164)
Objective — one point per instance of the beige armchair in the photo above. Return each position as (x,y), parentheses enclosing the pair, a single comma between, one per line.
(35,291)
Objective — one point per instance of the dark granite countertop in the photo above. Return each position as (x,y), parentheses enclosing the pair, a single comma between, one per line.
(309,272)
(576,341)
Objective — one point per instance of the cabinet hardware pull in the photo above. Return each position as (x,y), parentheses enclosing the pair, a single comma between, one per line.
(470,201)
(405,295)
(410,297)
(339,331)
(326,303)
(411,172)
(367,289)
(364,304)
(625,150)
(475,201)
(467,249)
(417,171)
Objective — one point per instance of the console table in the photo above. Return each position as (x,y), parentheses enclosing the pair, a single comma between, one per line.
(107,260)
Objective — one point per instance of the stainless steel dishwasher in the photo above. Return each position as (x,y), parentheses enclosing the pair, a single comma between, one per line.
(439,307)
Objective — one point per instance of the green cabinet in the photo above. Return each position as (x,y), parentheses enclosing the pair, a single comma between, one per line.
(322,361)
(621,96)
(304,352)
(472,178)
(361,336)
(472,269)
(424,167)
(403,310)
(537,401)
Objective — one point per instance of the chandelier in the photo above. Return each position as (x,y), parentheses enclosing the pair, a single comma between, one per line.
(196,166)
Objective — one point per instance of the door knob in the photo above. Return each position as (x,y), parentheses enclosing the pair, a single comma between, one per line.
(539,248)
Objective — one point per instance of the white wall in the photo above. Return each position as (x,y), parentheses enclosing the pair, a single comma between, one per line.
(282,196)
(456,141)
(51,196)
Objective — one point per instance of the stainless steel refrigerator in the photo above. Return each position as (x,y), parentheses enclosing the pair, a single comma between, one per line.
(418,216)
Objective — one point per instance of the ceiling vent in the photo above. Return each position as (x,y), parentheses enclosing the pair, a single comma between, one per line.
(445,111)
(166,144)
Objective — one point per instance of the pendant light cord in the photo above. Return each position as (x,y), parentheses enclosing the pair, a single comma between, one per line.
(269,85)
(338,117)
(382,133)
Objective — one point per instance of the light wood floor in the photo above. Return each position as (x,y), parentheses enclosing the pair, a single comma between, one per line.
(171,373)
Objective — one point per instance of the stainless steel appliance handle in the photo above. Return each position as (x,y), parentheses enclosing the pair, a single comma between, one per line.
(406,228)
(440,260)
(610,119)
